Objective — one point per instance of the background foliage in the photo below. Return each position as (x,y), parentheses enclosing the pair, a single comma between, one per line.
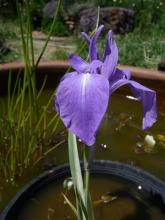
(145,46)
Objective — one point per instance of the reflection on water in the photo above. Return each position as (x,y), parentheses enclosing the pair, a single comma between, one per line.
(119,138)
(122,134)
(112,199)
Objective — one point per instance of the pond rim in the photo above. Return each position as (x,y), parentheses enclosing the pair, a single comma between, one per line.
(151,184)
(54,70)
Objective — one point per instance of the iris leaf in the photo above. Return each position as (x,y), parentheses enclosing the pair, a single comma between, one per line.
(70,204)
(76,176)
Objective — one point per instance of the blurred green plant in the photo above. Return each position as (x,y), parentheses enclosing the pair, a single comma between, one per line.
(142,49)
(8,30)
(60,29)
(60,54)
(146,42)
(26,128)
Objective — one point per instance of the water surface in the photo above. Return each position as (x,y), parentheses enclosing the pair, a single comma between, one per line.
(118,139)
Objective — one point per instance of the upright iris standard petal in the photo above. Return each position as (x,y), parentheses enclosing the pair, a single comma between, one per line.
(82,100)
(110,57)
(86,37)
(93,51)
(145,95)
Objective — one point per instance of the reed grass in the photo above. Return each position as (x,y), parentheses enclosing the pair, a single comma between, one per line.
(26,128)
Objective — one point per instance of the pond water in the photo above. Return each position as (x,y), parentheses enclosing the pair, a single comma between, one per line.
(113,199)
(119,138)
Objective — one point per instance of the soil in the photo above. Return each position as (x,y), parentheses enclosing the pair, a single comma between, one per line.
(55,46)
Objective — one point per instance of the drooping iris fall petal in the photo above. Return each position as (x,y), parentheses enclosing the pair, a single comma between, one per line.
(81,101)
(145,95)
(119,74)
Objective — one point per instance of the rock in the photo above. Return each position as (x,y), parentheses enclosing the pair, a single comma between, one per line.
(72,17)
(83,17)
(8,8)
(49,9)
(161,66)
(120,20)
(4,50)
(37,20)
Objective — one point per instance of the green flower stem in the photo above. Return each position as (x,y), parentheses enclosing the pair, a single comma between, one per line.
(76,175)
(87,163)
(83,199)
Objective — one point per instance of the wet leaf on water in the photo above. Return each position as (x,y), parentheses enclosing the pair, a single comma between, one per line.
(160,137)
(105,198)
(146,145)
(161,140)
(122,120)
(149,143)
(68,183)
(139,148)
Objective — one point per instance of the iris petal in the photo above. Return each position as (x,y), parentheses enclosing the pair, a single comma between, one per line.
(86,37)
(120,74)
(110,57)
(70,75)
(93,51)
(95,66)
(145,95)
(82,100)
(78,63)
(82,96)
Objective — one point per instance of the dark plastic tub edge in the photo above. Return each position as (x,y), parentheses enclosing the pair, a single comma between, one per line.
(136,175)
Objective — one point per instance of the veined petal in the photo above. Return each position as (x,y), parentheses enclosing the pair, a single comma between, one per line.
(120,74)
(127,74)
(70,75)
(78,63)
(93,51)
(82,101)
(110,57)
(95,66)
(145,95)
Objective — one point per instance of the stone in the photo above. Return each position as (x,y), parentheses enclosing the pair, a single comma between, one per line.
(161,66)
(49,9)
(4,50)
(83,17)
(120,20)
(8,8)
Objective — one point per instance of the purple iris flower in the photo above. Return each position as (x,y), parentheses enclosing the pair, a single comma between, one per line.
(82,96)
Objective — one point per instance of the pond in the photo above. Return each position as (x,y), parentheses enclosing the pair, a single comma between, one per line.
(119,138)
(113,198)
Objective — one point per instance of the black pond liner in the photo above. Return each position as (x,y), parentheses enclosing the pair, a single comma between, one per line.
(148,182)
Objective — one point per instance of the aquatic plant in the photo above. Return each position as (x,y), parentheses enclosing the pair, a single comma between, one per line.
(26,128)
(81,101)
